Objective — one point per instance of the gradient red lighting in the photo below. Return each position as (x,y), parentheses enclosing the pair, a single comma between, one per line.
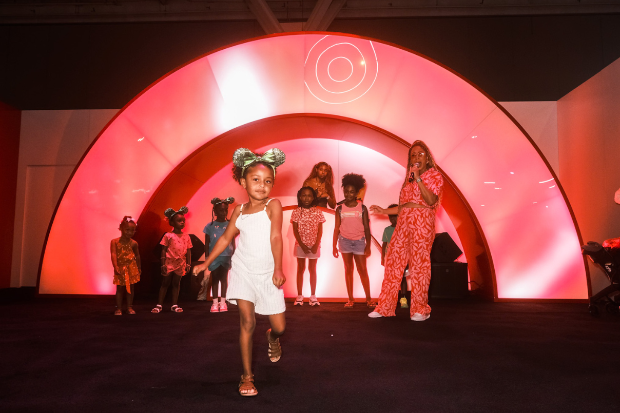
(410,97)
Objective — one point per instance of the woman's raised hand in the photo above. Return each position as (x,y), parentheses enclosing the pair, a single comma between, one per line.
(200,268)
(375,209)
(415,170)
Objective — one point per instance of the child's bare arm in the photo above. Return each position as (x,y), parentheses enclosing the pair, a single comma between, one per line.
(274,210)
(207,242)
(375,209)
(319,235)
(188,258)
(383,248)
(366,222)
(331,201)
(113,255)
(336,231)
(164,268)
(227,237)
(136,252)
(298,238)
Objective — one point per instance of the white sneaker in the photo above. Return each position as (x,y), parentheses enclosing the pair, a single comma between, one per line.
(374,314)
(299,300)
(223,307)
(314,301)
(419,317)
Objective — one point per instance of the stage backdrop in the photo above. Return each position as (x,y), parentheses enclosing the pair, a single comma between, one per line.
(519,205)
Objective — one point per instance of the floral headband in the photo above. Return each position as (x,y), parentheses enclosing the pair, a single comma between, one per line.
(228,200)
(169,213)
(244,157)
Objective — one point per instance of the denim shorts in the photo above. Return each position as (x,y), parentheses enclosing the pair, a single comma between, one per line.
(351,246)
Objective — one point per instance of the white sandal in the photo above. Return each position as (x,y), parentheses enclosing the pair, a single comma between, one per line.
(299,300)
(314,301)
(157,309)
(176,309)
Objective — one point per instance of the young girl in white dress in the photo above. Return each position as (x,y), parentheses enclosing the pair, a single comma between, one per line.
(256,275)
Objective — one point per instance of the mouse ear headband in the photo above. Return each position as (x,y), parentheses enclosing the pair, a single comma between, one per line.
(169,213)
(228,200)
(244,157)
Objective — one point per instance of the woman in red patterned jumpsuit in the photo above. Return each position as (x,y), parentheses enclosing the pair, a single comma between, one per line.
(413,237)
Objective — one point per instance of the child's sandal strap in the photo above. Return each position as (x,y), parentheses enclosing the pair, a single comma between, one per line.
(247,387)
(157,309)
(176,309)
(275,350)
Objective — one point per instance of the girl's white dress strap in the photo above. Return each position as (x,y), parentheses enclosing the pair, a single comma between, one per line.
(265,209)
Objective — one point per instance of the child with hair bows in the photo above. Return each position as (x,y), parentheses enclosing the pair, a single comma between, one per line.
(176,258)
(256,276)
(126,262)
(220,266)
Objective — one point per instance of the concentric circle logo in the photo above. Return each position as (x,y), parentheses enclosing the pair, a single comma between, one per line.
(338,72)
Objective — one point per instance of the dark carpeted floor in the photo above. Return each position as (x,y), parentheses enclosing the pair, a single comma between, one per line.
(72,354)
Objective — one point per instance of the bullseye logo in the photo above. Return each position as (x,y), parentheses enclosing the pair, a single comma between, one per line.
(338,72)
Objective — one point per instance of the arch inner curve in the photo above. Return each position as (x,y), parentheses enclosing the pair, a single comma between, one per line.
(206,174)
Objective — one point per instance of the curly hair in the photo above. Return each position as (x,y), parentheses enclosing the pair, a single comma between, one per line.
(329,178)
(126,221)
(299,195)
(238,173)
(355,180)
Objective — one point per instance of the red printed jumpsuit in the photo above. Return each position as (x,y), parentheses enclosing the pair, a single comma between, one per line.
(411,244)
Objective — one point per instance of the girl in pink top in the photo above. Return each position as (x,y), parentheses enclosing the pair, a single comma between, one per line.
(308,229)
(352,235)
(176,258)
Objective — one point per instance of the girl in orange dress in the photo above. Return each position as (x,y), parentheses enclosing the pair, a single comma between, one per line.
(126,262)
(413,237)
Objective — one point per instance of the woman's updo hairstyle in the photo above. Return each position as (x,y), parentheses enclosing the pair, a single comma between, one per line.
(355,180)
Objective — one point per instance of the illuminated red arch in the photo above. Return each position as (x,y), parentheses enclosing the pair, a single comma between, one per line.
(399,93)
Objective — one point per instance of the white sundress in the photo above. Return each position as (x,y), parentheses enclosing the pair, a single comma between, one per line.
(251,275)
